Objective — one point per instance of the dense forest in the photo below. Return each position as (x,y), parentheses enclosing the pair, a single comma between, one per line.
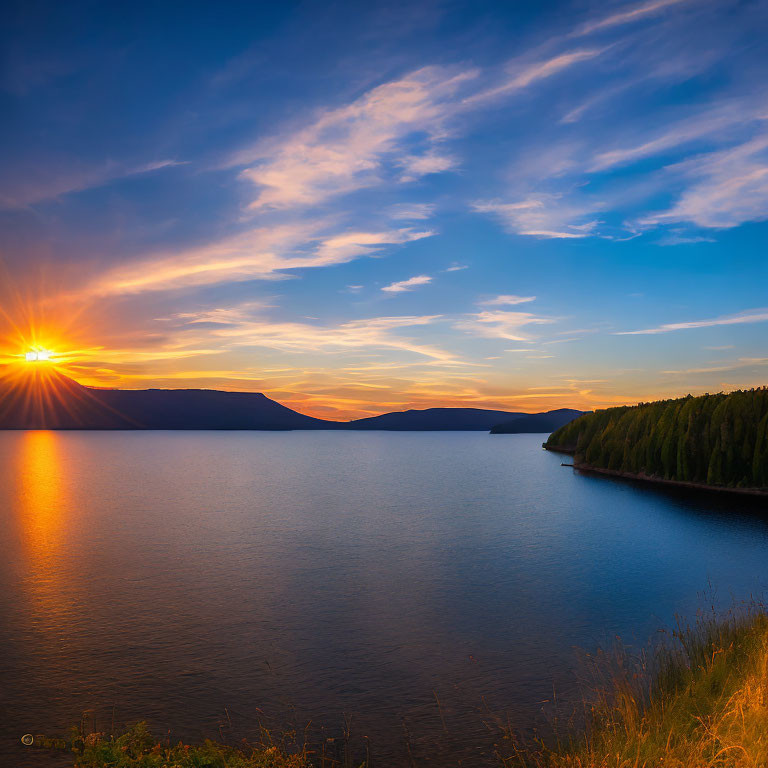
(717,439)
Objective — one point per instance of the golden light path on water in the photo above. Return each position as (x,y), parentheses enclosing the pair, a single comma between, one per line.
(42,501)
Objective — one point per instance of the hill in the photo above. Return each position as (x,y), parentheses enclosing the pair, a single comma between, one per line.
(42,398)
(537,422)
(435,419)
(714,440)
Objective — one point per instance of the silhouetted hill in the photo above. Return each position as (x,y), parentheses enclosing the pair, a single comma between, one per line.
(436,419)
(205,409)
(42,398)
(537,422)
(38,397)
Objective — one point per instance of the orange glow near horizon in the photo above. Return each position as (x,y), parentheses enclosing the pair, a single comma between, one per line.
(41,350)
(44,349)
(44,334)
(49,349)
(38,325)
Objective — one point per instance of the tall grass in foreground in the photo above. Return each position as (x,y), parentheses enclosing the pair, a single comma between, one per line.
(699,700)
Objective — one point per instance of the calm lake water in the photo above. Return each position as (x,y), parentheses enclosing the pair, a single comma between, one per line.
(205,581)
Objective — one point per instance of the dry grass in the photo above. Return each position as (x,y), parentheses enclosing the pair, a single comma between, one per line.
(702,701)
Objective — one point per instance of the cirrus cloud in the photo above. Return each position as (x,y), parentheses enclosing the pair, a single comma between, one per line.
(344,148)
(749,316)
(544,216)
(407,285)
(259,254)
(507,300)
(501,324)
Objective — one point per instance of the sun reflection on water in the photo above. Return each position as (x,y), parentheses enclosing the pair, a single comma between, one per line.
(42,500)
(41,487)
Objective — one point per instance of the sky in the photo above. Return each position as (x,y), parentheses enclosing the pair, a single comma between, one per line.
(365,207)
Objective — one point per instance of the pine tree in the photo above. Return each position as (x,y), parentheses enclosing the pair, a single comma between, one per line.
(715,439)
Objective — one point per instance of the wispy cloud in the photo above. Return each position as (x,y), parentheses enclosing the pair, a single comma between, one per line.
(500,324)
(416,166)
(407,285)
(712,124)
(412,211)
(544,216)
(263,254)
(345,148)
(627,15)
(560,184)
(680,238)
(742,362)
(523,75)
(727,188)
(350,245)
(506,300)
(238,327)
(749,316)
(354,146)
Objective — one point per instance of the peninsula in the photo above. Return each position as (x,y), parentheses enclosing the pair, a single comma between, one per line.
(715,441)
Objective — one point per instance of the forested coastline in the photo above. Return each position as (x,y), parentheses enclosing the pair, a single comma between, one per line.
(718,440)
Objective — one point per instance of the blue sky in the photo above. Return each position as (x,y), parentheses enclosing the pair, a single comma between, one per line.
(366,207)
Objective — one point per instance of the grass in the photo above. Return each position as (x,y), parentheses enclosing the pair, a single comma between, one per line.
(698,700)
(136,747)
(701,700)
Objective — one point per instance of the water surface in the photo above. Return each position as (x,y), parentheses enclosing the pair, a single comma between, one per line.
(207,580)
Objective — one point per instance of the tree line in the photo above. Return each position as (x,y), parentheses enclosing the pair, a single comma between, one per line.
(719,439)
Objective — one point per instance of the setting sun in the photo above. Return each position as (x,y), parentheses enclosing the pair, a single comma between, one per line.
(38,356)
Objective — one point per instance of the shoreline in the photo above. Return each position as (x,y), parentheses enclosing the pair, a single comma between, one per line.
(582,466)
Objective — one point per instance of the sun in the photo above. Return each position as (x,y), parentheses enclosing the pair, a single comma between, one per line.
(38,356)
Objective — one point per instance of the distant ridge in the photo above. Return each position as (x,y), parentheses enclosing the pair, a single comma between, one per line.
(537,422)
(435,419)
(39,397)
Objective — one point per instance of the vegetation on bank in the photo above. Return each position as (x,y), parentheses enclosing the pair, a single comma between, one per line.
(699,699)
(702,702)
(136,747)
(717,440)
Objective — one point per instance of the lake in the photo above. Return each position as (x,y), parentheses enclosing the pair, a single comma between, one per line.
(209,581)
